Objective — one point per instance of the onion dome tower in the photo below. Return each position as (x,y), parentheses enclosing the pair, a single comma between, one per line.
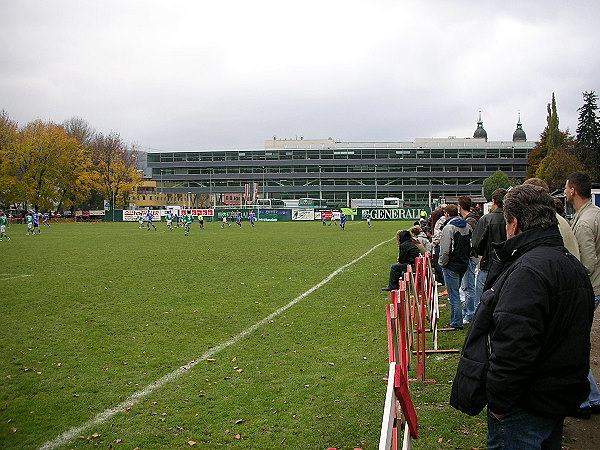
(480,133)
(519,135)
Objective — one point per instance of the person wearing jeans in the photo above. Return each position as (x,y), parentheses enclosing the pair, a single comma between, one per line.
(527,353)
(490,229)
(455,248)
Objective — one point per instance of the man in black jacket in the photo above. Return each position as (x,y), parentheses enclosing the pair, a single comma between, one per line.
(490,229)
(527,352)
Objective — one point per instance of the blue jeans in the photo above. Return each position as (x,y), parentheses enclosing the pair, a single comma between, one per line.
(479,284)
(468,284)
(524,430)
(452,280)
(594,397)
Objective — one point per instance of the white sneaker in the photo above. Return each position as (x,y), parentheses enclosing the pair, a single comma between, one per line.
(466,321)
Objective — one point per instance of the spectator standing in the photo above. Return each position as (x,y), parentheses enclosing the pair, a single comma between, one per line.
(465,209)
(455,250)
(490,229)
(570,242)
(586,227)
(529,341)
(438,219)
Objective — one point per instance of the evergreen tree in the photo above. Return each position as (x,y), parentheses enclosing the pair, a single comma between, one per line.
(553,138)
(588,135)
(550,139)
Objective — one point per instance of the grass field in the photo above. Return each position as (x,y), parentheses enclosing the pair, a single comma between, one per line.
(93,314)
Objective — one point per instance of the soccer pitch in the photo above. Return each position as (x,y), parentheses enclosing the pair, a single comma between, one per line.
(103,315)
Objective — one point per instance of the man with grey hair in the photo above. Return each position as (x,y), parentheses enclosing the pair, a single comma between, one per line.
(527,352)
(569,239)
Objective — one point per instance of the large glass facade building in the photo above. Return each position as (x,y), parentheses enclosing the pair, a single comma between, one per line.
(418,172)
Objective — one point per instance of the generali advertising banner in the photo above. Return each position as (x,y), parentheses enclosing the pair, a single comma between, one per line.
(390,214)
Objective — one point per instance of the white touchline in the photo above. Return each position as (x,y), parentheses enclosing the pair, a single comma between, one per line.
(8,276)
(133,399)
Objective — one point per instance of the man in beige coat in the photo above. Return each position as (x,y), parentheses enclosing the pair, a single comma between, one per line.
(586,227)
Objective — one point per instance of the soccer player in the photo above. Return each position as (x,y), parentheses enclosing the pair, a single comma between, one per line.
(188,222)
(36,222)
(141,221)
(169,219)
(225,221)
(238,219)
(201,220)
(29,220)
(369,221)
(3,225)
(323,218)
(252,217)
(342,221)
(149,221)
(45,219)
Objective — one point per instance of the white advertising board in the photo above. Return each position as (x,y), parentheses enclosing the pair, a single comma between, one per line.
(303,214)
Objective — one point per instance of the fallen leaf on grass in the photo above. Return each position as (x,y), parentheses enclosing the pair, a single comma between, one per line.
(237,422)
(190,443)
(237,436)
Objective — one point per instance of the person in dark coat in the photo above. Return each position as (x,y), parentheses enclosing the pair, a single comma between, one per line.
(490,229)
(526,354)
(408,252)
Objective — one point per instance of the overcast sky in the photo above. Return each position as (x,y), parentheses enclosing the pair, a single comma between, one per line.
(192,75)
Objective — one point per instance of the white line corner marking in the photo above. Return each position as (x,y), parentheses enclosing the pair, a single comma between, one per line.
(133,399)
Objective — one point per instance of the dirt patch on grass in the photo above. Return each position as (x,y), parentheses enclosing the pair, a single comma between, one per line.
(585,434)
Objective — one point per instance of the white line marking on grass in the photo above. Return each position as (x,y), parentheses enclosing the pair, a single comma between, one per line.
(133,399)
(8,276)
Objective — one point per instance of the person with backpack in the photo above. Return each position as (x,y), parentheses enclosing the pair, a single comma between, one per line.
(455,251)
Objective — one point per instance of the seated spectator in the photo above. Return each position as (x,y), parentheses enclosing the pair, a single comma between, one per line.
(408,251)
(420,239)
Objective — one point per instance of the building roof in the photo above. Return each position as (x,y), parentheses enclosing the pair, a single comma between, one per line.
(519,134)
(480,133)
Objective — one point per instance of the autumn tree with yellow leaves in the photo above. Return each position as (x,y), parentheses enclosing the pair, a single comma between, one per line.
(44,165)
